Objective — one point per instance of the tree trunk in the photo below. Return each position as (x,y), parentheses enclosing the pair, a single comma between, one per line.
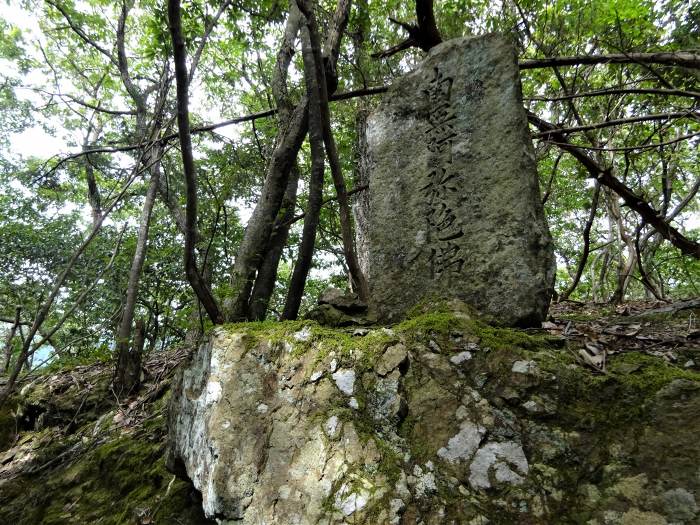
(122,380)
(9,338)
(128,375)
(183,122)
(259,227)
(357,278)
(267,274)
(303,264)
(257,234)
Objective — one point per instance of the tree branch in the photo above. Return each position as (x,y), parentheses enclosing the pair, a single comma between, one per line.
(620,91)
(200,48)
(78,31)
(617,122)
(635,148)
(678,58)
(605,177)
(131,88)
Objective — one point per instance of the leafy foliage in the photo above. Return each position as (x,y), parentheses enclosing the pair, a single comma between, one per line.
(64,73)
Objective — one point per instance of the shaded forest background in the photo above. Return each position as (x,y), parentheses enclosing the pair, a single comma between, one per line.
(133,236)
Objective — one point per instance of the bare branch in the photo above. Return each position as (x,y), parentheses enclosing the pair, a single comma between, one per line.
(205,37)
(678,58)
(618,122)
(620,91)
(605,177)
(635,148)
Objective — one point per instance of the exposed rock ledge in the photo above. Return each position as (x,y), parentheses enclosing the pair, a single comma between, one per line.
(439,420)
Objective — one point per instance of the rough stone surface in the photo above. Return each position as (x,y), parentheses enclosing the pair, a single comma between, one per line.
(680,505)
(455,206)
(396,431)
(347,302)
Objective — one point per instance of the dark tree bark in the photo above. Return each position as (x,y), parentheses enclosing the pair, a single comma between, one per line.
(678,58)
(303,263)
(257,235)
(425,35)
(193,276)
(267,274)
(358,279)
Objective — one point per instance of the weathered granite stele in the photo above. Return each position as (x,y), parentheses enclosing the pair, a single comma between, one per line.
(455,207)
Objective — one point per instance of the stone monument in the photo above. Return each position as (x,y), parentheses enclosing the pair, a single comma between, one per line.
(455,206)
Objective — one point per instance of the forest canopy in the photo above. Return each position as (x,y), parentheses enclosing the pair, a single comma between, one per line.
(165,167)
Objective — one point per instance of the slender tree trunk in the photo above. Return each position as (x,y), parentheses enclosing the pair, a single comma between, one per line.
(257,234)
(586,244)
(183,122)
(123,379)
(358,279)
(9,338)
(625,265)
(303,264)
(645,278)
(129,366)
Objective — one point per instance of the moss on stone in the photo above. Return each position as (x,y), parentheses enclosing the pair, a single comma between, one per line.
(107,477)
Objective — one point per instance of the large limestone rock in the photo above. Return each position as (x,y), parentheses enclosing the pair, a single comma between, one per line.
(439,420)
(455,206)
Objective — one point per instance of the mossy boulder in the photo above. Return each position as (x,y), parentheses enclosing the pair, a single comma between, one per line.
(80,458)
(440,419)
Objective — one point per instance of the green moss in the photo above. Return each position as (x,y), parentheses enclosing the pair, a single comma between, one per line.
(362,350)
(444,318)
(646,374)
(110,479)
(592,399)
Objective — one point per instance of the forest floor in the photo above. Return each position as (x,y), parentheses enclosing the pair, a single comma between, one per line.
(600,331)
(70,453)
